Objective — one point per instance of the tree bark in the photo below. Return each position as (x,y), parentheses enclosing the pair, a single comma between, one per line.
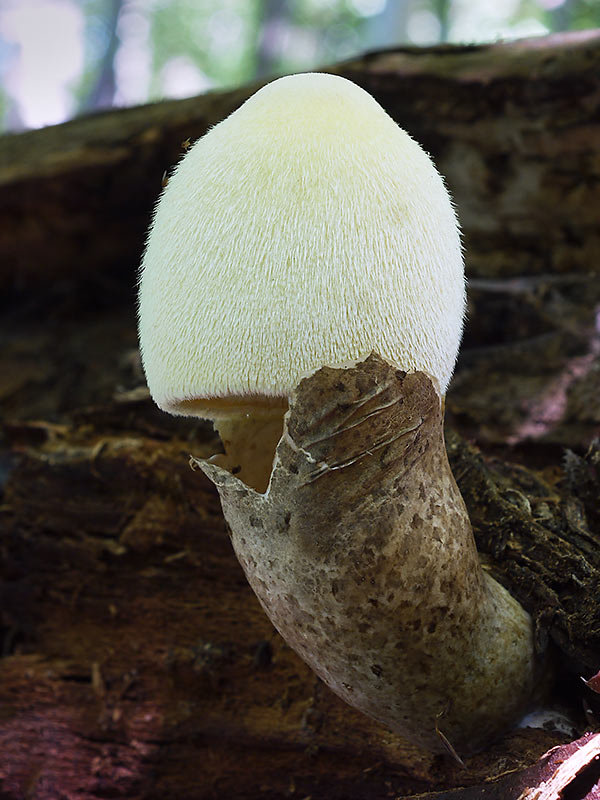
(136,660)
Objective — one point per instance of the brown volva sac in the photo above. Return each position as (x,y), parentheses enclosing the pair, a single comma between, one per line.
(362,555)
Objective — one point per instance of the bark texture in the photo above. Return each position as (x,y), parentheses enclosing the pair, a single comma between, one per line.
(136,660)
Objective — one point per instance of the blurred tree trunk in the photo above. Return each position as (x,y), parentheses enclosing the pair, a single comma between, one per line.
(388,28)
(136,660)
(102,93)
(560,15)
(275,19)
(442,12)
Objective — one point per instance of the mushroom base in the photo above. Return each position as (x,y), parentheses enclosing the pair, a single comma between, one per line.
(362,555)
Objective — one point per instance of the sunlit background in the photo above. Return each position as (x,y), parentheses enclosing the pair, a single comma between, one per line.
(61,58)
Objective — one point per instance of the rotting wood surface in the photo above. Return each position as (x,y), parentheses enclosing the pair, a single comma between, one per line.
(137,662)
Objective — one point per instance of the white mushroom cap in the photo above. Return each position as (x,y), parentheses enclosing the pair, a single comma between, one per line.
(305,229)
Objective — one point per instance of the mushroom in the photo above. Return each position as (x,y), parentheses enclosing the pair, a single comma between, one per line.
(303,288)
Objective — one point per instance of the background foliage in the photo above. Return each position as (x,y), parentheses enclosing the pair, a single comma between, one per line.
(60,58)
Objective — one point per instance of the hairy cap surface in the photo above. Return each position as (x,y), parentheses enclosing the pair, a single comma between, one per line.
(305,229)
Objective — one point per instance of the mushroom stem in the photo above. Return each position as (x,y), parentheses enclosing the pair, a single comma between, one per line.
(362,554)
(249,439)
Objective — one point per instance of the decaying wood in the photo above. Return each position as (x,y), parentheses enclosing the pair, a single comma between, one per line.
(137,662)
(543,541)
(137,653)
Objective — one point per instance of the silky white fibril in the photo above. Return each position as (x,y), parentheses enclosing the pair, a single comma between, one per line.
(306,229)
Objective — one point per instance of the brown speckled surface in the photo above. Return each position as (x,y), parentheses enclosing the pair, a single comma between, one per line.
(361,553)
